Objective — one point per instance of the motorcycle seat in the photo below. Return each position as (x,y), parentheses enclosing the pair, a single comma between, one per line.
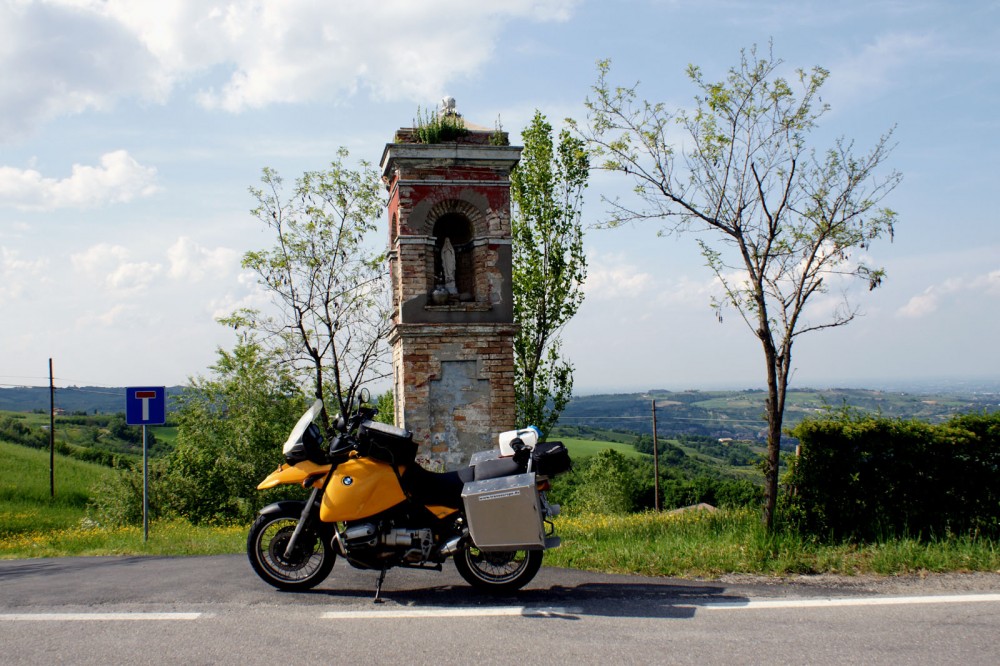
(497,468)
(437,488)
(445,488)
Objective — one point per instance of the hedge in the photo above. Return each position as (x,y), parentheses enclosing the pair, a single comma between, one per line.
(867,477)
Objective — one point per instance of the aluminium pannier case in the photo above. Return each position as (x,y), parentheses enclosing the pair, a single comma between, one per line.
(504,513)
(550,459)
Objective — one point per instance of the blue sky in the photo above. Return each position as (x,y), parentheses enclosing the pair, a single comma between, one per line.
(130,132)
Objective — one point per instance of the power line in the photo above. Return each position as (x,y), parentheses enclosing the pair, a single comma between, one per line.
(670,418)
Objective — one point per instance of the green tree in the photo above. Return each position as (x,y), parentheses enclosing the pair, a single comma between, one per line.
(549,267)
(779,222)
(230,428)
(330,314)
(385,403)
(608,485)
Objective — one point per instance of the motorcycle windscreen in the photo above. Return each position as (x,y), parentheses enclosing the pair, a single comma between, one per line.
(300,427)
(360,487)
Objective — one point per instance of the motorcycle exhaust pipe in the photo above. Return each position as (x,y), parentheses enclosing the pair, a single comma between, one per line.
(451,547)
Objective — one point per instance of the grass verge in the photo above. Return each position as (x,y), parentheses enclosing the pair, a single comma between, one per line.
(706,545)
(173,537)
(691,545)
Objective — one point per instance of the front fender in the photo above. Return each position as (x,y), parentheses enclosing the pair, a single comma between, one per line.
(291,506)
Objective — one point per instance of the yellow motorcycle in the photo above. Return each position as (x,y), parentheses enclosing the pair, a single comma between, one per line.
(376,507)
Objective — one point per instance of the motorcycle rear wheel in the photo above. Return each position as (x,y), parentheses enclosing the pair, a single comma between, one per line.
(498,572)
(309,564)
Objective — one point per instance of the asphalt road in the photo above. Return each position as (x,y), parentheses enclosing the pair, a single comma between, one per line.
(213,610)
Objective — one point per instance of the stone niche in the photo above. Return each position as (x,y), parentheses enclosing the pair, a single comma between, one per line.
(450,267)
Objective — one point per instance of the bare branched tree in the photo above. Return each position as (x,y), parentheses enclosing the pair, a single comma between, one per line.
(782,222)
(330,317)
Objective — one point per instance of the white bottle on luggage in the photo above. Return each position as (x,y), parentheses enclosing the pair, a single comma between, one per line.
(529,436)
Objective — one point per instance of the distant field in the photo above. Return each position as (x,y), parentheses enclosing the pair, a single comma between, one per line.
(587,447)
(25,502)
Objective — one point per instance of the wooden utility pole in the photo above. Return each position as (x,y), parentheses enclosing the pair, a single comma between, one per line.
(656,463)
(52,433)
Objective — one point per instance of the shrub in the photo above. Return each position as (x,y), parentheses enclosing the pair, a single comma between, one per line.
(868,477)
(606,486)
(437,128)
(230,430)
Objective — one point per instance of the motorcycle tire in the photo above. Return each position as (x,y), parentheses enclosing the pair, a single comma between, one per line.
(498,572)
(311,560)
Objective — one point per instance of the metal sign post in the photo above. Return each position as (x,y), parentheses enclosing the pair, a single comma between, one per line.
(145,405)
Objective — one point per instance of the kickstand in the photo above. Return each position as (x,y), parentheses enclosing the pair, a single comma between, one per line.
(378,587)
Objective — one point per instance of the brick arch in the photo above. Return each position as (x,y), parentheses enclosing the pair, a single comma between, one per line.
(476,215)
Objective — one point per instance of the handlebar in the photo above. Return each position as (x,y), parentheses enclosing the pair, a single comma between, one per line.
(521,451)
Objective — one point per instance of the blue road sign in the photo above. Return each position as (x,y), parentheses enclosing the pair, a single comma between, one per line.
(145,405)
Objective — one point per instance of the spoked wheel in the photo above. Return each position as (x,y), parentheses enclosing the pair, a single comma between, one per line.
(310,562)
(498,572)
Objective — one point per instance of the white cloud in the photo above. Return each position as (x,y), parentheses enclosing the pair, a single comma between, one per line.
(61,58)
(932,298)
(69,56)
(920,305)
(99,258)
(193,263)
(119,317)
(118,179)
(685,291)
(611,277)
(249,295)
(110,266)
(16,274)
(988,283)
(300,50)
(133,277)
(874,69)
(107,319)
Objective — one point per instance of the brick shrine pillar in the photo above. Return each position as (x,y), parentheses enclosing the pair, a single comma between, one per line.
(453,319)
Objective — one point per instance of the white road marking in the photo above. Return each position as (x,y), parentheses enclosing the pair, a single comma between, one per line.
(95,617)
(521,611)
(525,611)
(848,601)
(467,611)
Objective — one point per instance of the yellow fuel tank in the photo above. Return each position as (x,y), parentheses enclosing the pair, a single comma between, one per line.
(360,487)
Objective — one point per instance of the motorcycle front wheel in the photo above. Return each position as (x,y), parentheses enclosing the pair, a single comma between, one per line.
(310,561)
(498,572)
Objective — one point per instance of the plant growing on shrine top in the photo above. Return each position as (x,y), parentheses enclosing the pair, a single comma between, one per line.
(433,127)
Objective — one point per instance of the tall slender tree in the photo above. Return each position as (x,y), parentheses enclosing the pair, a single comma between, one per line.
(549,266)
(782,223)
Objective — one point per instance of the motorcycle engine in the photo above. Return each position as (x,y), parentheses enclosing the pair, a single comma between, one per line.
(416,544)
(365,542)
(360,536)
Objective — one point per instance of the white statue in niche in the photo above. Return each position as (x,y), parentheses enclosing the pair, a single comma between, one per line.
(448,266)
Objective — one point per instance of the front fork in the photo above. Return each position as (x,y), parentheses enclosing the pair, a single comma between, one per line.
(303,518)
